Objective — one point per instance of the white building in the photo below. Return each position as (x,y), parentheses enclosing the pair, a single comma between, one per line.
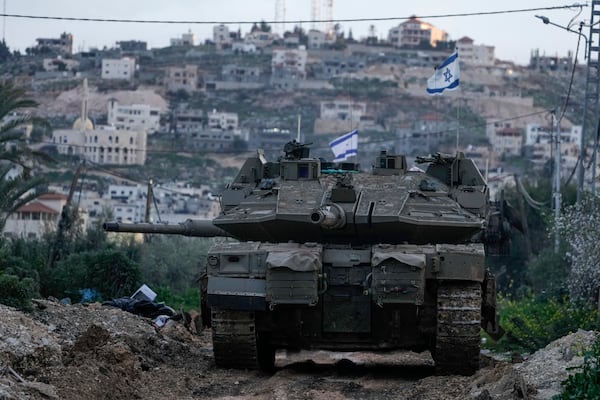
(292,61)
(60,64)
(222,120)
(186,39)
(414,32)
(507,142)
(123,68)
(104,144)
(536,133)
(318,39)
(539,142)
(221,36)
(345,110)
(133,117)
(472,54)
(35,218)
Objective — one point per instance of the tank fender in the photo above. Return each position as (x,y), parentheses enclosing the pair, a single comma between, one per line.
(236,293)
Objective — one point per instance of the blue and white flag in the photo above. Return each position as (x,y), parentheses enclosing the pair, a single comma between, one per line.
(446,76)
(345,146)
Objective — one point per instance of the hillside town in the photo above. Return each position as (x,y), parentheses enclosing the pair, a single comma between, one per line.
(121,111)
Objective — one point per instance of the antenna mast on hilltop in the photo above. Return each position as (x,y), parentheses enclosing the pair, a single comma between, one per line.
(315,13)
(329,17)
(280,16)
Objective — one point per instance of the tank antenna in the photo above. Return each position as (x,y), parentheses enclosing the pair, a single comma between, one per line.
(298,133)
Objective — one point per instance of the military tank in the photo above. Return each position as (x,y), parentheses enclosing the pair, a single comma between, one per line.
(323,256)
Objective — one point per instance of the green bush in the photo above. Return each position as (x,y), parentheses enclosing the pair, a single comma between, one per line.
(16,292)
(533,322)
(110,272)
(585,384)
(186,300)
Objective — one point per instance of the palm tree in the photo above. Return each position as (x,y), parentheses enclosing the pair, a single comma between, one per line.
(18,189)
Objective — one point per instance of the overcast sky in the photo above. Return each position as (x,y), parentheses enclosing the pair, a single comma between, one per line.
(514,35)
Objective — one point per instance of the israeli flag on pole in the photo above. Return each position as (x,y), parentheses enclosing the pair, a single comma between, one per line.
(345,146)
(446,76)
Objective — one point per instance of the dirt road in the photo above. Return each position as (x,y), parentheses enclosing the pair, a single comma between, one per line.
(98,352)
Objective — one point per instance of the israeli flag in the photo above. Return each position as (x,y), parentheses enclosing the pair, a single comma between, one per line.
(446,76)
(345,146)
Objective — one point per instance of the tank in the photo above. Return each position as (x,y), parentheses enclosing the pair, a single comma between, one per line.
(323,256)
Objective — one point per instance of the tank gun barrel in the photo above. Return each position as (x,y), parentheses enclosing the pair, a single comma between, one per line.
(329,216)
(201,228)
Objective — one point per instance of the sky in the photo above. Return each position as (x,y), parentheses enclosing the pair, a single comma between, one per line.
(514,35)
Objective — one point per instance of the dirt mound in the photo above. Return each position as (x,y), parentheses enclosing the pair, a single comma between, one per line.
(99,352)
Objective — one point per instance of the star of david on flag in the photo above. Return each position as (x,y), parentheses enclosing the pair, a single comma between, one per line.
(446,76)
(345,146)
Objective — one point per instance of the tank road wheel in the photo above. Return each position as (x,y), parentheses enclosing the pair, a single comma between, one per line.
(236,343)
(457,332)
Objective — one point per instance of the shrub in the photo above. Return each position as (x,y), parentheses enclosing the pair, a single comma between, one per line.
(16,292)
(584,384)
(533,322)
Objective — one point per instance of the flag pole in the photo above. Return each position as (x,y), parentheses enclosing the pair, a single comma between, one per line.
(457,124)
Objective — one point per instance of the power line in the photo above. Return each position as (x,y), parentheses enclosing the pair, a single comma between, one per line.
(300,21)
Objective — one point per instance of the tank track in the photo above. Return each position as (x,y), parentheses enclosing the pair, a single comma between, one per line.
(457,344)
(236,343)
(234,339)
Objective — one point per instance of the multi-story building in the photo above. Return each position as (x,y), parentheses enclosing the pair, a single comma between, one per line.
(550,63)
(288,66)
(188,122)
(507,142)
(133,117)
(414,33)
(222,121)
(35,218)
(221,36)
(214,140)
(62,45)
(123,68)
(186,39)
(182,78)
(261,39)
(102,145)
(540,143)
(240,73)
(472,54)
(318,39)
(345,110)
(60,64)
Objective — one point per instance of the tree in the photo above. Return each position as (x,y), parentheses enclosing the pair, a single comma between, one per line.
(579,227)
(5,53)
(15,155)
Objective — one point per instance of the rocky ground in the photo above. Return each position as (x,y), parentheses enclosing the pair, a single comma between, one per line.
(99,352)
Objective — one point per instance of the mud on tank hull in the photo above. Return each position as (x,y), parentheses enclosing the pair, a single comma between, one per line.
(265,297)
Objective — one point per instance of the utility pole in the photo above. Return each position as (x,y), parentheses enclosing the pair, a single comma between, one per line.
(557,195)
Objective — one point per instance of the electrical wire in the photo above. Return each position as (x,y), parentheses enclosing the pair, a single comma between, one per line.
(300,21)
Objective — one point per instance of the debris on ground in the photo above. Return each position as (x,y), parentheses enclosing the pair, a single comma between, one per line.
(60,351)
